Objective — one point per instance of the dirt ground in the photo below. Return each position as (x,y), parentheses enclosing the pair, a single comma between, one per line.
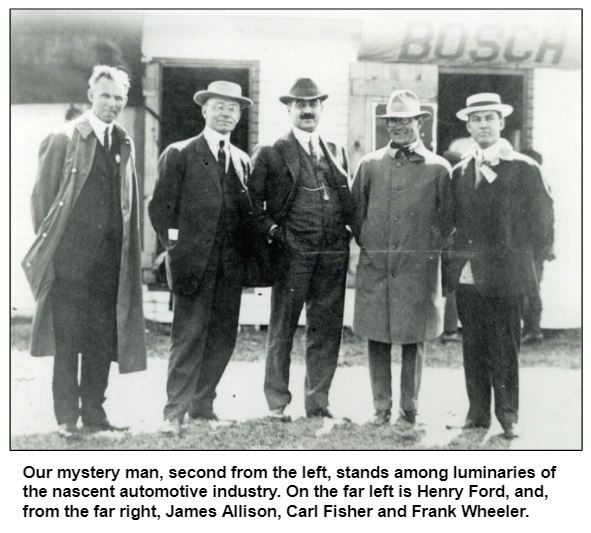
(550,410)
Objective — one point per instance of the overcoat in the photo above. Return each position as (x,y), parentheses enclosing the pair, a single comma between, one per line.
(403,214)
(65,161)
(188,197)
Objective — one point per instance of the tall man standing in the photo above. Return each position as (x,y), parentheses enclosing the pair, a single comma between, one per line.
(199,210)
(502,212)
(401,194)
(84,266)
(303,180)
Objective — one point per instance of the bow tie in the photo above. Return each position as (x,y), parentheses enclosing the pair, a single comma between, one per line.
(402,152)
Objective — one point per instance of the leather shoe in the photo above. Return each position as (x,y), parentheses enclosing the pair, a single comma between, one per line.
(68,431)
(473,424)
(278,414)
(203,416)
(381,418)
(320,412)
(105,425)
(171,427)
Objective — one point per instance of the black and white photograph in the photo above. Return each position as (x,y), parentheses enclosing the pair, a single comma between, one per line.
(354,229)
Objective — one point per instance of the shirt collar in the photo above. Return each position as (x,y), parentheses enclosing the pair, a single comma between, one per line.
(98,126)
(417,147)
(213,139)
(304,138)
(502,149)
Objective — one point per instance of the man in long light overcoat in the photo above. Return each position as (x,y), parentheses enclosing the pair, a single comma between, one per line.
(401,194)
(84,265)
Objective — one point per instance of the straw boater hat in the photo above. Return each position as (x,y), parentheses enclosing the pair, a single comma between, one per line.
(484,102)
(303,89)
(404,104)
(225,89)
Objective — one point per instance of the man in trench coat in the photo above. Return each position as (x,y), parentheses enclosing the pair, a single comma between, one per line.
(84,265)
(401,193)
(503,215)
(200,211)
(302,183)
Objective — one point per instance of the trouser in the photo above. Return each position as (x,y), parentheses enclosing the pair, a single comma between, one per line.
(316,279)
(491,340)
(203,336)
(450,316)
(85,329)
(380,373)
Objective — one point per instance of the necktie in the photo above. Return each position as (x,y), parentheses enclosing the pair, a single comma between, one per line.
(402,152)
(222,157)
(478,162)
(106,140)
(313,153)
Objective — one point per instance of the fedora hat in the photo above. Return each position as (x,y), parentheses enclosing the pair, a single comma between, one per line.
(404,104)
(484,102)
(225,89)
(303,89)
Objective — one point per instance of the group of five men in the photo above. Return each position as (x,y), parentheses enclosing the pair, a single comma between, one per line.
(296,197)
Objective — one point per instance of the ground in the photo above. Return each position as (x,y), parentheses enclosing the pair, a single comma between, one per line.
(550,410)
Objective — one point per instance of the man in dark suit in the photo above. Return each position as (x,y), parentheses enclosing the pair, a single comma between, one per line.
(501,208)
(302,181)
(84,266)
(199,210)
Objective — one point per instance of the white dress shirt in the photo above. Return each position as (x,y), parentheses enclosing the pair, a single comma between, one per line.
(213,139)
(304,138)
(99,127)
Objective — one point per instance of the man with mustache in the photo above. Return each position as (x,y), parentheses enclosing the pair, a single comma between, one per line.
(200,210)
(299,187)
(502,212)
(401,194)
(84,266)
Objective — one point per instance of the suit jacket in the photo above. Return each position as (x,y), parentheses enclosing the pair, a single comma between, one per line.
(500,226)
(65,161)
(188,197)
(276,175)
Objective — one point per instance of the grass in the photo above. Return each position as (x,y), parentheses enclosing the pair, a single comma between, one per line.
(560,350)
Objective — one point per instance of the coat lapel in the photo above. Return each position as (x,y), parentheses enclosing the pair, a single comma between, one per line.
(334,162)
(208,161)
(289,150)
(237,162)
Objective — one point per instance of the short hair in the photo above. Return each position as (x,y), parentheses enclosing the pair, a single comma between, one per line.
(112,73)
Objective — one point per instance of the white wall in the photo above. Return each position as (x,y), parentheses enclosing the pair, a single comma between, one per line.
(557,136)
(285,49)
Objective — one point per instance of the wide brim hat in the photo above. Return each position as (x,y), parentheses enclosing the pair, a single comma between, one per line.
(223,89)
(484,102)
(303,89)
(404,104)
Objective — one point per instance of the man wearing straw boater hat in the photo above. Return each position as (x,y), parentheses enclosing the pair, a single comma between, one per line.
(502,213)
(303,181)
(199,209)
(401,193)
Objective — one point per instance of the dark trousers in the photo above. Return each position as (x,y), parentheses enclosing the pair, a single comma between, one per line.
(380,373)
(450,315)
(316,279)
(203,336)
(532,304)
(491,340)
(85,327)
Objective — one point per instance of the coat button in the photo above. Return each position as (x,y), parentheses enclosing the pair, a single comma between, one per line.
(61,204)
(395,219)
(74,170)
(469,241)
(44,235)
(393,247)
(28,264)
(398,164)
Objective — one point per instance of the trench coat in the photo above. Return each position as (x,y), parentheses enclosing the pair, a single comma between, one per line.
(403,214)
(65,160)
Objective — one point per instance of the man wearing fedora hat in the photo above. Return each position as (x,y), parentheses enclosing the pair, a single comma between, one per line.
(199,209)
(401,194)
(302,180)
(502,212)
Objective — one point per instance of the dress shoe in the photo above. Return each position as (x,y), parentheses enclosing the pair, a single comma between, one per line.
(510,431)
(319,412)
(381,418)
(203,416)
(405,427)
(68,431)
(105,425)
(171,427)
(474,424)
(278,414)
